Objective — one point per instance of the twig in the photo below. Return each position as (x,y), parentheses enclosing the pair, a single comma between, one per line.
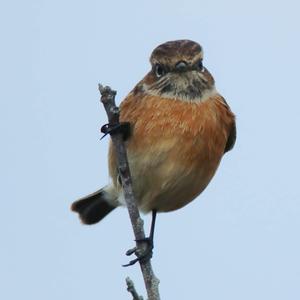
(131,289)
(112,111)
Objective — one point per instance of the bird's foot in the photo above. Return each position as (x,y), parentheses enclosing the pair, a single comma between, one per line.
(143,253)
(123,128)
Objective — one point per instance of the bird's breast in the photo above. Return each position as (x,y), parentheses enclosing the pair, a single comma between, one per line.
(175,148)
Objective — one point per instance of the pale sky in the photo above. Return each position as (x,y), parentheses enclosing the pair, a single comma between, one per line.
(238,240)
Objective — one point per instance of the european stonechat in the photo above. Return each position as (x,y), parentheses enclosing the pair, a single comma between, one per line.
(180,129)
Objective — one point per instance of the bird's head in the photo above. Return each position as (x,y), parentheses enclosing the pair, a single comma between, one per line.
(178,72)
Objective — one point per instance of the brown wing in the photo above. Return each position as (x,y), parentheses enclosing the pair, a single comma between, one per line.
(231,138)
(232,134)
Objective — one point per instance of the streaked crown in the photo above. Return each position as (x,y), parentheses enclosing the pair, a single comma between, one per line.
(173,52)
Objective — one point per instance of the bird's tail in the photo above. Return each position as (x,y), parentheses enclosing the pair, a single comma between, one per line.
(94,207)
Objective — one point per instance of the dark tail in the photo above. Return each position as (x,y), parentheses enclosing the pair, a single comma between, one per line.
(93,208)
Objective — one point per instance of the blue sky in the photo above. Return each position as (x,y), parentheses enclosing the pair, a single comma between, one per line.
(238,240)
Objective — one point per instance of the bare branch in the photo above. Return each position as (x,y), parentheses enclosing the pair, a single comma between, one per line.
(112,111)
(131,289)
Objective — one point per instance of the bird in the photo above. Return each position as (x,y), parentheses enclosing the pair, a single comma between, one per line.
(180,128)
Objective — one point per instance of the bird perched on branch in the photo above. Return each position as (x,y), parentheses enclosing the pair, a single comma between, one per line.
(180,127)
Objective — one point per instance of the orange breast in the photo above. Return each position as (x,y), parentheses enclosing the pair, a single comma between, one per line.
(175,148)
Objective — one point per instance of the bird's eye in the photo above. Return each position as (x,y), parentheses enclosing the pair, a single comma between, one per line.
(159,70)
(200,66)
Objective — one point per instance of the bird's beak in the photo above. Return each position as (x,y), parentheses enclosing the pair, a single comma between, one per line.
(181,66)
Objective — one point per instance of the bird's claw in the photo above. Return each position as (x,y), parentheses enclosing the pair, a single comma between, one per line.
(131,251)
(123,128)
(146,254)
